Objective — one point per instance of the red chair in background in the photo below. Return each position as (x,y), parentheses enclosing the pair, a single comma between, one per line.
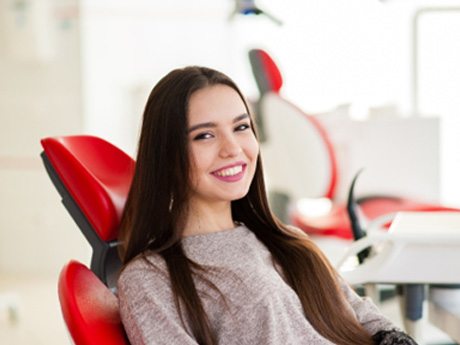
(93,178)
(300,163)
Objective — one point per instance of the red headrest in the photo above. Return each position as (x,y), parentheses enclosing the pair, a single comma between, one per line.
(267,74)
(89,308)
(97,175)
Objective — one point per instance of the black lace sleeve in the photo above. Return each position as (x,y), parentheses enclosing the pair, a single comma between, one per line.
(392,337)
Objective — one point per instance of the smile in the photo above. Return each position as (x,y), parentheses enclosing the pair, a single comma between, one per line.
(230,174)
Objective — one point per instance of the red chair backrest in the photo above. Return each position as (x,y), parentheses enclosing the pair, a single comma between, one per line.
(89,308)
(298,155)
(98,176)
(268,76)
(299,158)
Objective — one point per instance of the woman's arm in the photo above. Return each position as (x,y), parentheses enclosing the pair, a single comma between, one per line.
(383,331)
(365,310)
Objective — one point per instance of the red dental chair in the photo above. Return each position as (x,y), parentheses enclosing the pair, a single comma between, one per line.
(93,178)
(89,308)
(308,169)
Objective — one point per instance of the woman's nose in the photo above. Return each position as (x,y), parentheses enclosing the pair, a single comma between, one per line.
(229,147)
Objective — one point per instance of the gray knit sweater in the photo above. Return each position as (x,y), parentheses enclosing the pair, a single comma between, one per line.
(259,308)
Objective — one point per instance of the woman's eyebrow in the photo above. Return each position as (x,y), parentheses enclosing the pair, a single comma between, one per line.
(202,125)
(213,124)
(240,117)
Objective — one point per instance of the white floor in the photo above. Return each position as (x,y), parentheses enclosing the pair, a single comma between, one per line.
(39,320)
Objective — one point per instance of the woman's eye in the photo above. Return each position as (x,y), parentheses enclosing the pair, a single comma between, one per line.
(203,136)
(243,127)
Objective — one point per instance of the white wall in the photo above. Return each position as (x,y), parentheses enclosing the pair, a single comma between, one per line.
(40,95)
(439,85)
(127,48)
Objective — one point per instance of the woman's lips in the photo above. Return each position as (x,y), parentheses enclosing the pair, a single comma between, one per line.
(232,173)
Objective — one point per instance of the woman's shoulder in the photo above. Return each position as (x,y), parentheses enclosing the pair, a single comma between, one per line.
(147,267)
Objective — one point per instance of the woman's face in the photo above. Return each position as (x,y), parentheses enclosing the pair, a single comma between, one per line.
(223,148)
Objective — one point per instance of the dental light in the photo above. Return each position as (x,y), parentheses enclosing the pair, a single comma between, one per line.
(249,7)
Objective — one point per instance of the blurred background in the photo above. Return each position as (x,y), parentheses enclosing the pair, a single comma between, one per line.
(72,67)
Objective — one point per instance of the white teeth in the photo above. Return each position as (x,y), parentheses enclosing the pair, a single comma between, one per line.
(230,171)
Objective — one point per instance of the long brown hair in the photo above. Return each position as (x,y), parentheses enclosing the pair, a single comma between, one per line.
(157,207)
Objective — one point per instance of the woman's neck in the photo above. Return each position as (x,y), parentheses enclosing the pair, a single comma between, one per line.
(203,219)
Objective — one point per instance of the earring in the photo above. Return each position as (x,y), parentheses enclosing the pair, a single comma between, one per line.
(171,203)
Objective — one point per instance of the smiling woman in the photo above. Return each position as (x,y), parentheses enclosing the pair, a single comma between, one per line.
(223,155)
(205,260)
